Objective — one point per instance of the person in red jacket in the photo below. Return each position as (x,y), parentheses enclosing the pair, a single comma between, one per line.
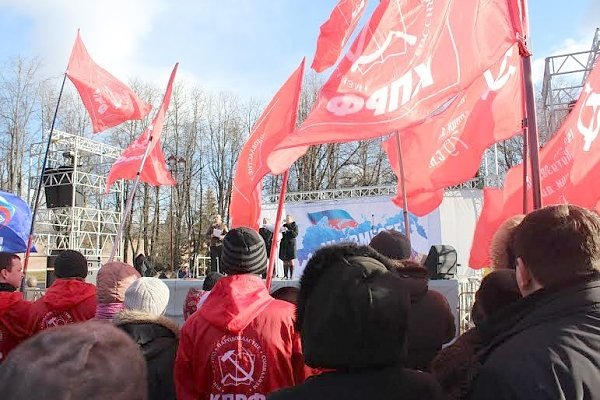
(70,299)
(14,311)
(242,343)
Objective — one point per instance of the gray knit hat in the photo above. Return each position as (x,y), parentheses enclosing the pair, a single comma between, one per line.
(243,252)
(70,264)
(149,295)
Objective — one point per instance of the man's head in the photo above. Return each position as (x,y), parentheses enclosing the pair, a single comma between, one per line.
(11,269)
(217,219)
(392,244)
(555,245)
(90,360)
(70,264)
(243,252)
(289,219)
(351,311)
(265,221)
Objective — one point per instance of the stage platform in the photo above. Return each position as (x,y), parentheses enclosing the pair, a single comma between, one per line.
(179,288)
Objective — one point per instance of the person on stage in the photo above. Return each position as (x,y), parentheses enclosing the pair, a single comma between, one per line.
(215,234)
(287,246)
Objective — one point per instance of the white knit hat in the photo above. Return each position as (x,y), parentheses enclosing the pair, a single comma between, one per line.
(149,295)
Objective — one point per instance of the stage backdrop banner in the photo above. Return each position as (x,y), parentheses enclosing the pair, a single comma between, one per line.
(356,220)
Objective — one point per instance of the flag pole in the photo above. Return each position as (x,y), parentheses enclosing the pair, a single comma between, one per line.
(129,204)
(271,266)
(36,201)
(532,133)
(525,168)
(403,188)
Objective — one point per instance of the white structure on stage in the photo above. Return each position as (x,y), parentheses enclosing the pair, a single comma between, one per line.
(74,212)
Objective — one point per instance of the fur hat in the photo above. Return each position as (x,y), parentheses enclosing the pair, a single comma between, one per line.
(149,295)
(70,264)
(392,244)
(243,252)
(113,280)
(352,311)
(501,255)
(90,360)
(498,289)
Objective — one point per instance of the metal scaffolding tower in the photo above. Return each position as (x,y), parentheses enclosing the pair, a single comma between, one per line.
(564,77)
(74,212)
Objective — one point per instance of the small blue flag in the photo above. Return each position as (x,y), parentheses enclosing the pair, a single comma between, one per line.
(15,222)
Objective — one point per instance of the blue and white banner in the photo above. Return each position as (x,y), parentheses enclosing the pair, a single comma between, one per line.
(15,222)
(356,220)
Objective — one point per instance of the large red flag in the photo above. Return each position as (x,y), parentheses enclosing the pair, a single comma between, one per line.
(411,59)
(108,101)
(446,149)
(275,123)
(569,166)
(154,170)
(336,31)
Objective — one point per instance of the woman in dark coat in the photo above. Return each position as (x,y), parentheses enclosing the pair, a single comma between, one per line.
(287,246)
(157,336)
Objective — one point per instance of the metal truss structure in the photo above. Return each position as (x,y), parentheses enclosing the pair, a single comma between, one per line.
(367,191)
(564,77)
(84,218)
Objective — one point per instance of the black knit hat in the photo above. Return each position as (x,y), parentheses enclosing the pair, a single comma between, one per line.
(211,280)
(70,264)
(352,312)
(392,244)
(243,252)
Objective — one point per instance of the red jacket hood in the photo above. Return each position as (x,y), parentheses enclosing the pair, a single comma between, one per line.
(66,293)
(8,299)
(235,301)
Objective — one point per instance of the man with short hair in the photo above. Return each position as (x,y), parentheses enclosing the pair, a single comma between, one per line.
(242,343)
(215,235)
(14,311)
(549,346)
(70,299)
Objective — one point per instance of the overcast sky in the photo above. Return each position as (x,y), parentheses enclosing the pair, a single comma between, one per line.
(245,46)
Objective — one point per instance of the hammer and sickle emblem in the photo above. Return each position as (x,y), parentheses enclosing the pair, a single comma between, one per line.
(241,376)
(504,74)
(590,131)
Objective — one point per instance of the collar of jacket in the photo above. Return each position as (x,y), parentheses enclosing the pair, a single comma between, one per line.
(139,317)
(7,287)
(582,293)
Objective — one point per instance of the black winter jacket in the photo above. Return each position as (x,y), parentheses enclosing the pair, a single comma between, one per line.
(550,348)
(158,338)
(388,383)
(287,245)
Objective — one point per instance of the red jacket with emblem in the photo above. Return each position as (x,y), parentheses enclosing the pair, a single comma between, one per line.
(65,302)
(14,314)
(241,344)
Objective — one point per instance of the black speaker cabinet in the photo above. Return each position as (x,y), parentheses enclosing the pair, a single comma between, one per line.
(441,262)
(60,195)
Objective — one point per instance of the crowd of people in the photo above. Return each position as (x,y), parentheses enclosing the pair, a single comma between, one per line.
(363,324)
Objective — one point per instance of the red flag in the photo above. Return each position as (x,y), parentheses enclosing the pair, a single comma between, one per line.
(518,16)
(411,58)
(275,123)
(154,170)
(108,101)
(336,31)
(446,149)
(569,164)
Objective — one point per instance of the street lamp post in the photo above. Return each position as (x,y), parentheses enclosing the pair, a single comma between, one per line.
(175,164)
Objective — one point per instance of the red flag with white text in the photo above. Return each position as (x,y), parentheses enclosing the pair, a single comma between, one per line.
(154,170)
(336,31)
(409,60)
(569,164)
(447,148)
(108,101)
(275,123)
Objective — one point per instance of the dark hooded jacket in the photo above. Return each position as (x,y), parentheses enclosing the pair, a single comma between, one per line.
(241,342)
(353,313)
(549,347)
(287,245)
(157,337)
(14,316)
(430,322)
(67,301)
